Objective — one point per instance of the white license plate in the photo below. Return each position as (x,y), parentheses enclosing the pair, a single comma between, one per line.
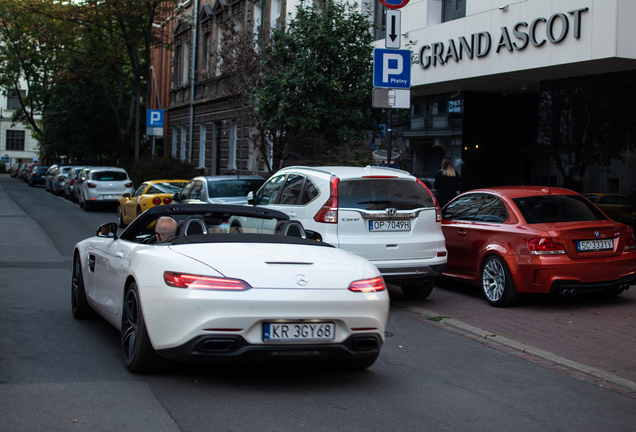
(389,225)
(595,245)
(110,197)
(299,331)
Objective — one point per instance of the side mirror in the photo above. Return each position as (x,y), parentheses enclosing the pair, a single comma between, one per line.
(176,197)
(313,235)
(108,230)
(126,195)
(250,198)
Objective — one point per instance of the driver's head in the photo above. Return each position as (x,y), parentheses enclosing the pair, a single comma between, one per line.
(165,228)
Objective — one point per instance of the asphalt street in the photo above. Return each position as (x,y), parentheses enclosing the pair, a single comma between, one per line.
(451,362)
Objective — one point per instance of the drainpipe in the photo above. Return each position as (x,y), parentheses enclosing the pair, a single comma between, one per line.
(193,74)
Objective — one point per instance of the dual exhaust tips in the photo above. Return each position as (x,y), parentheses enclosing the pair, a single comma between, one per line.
(572,292)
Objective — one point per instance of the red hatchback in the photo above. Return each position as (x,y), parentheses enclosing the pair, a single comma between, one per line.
(512,240)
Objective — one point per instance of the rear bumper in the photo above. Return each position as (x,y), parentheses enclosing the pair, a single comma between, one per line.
(553,274)
(220,347)
(400,273)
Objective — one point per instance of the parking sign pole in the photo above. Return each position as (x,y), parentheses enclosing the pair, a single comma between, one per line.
(388,141)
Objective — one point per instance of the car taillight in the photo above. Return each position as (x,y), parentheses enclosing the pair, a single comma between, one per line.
(167,200)
(180,280)
(72,182)
(91,185)
(438,210)
(156,201)
(328,213)
(128,185)
(630,243)
(545,246)
(61,178)
(368,285)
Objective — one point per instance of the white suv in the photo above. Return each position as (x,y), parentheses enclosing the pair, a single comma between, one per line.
(104,185)
(385,215)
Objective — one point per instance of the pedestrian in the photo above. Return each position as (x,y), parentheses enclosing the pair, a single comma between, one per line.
(447,182)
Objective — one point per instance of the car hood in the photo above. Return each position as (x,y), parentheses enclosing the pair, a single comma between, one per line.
(282,265)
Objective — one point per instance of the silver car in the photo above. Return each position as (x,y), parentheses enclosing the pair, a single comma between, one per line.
(56,179)
(71,181)
(104,185)
(228,189)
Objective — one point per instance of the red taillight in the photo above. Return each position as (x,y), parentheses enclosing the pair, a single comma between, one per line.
(167,200)
(91,185)
(156,201)
(545,246)
(128,185)
(179,280)
(438,210)
(328,213)
(368,285)
(72,182)
(61,178)
(630,243)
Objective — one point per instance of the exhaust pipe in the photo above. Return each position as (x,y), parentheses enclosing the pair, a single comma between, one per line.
(625,287)
(565,292)
(573,292)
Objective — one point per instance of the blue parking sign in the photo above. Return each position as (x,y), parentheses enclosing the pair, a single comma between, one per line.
(391,68)
(154,118)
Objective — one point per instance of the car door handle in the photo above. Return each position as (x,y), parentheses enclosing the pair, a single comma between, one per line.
(462,233)
(291,215)
(119,255)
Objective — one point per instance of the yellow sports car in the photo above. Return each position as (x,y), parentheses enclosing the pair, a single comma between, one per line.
(616,207)
(148,194)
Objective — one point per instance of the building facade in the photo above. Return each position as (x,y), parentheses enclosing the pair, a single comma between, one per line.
(521,92)
(16,140)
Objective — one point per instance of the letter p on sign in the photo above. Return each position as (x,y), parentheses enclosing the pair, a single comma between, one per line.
(386,67)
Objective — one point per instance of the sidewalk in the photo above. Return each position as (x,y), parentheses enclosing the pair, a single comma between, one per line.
(586,333)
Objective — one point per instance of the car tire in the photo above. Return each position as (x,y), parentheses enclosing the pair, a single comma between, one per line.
(79,304)
(139,355)
(87,206)
(419,289)
(31,184)
(357,363)
(497,283)
(120,217)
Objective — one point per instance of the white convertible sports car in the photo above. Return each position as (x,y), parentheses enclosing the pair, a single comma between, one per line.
(211,294)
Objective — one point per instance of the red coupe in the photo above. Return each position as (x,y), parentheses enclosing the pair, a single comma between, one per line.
(512,240)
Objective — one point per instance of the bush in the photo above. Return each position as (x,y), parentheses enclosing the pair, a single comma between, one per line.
(3,169)
(158,168)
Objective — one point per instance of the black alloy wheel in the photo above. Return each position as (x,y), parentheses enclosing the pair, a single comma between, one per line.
(79,303)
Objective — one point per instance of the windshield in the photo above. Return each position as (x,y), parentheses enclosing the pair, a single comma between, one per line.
(233,188)
(557,208)
(380,194)
(109,176)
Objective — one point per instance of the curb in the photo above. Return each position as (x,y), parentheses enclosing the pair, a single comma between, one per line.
(526,349)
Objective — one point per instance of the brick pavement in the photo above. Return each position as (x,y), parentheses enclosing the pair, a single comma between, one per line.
(594,331)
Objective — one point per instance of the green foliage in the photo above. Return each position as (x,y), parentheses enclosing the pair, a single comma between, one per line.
(79,122)
(168,168)
(317,79)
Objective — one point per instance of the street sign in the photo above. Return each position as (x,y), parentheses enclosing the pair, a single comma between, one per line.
(394,4)
(393,29)
(391,98)
(154,131)
(154,118)
(391,68)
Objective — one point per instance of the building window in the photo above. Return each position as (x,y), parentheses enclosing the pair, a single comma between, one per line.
(202,138)
(453,9)
(379,20)
(231,156)
(13,102)
(275,14)
(183,143)
(15,140)
(175,132)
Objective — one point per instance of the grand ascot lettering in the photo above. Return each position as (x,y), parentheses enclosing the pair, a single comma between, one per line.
(480,43)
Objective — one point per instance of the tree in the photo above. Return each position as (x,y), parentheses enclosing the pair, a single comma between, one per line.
(316,90)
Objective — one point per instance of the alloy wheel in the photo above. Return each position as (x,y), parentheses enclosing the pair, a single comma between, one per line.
(494,280)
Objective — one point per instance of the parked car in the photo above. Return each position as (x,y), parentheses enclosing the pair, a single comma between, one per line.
(218,296)
(104,185)
(51,171)
(71,180)
(148,194)
(535,239)
(14,170)
(23,171)
(56,180)
(81,177)
(229,189)
(615,206)
(385,215)
(37,174)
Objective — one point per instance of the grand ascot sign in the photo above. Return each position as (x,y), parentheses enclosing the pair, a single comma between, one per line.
(524,34)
